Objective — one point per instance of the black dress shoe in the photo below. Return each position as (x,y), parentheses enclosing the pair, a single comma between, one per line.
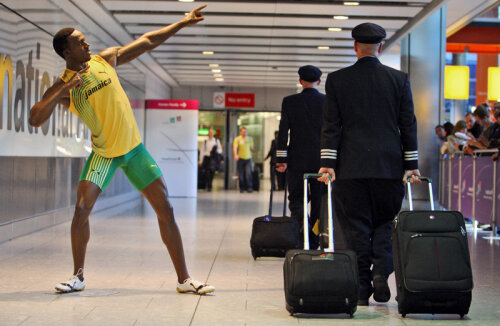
(363,302)
(381,292)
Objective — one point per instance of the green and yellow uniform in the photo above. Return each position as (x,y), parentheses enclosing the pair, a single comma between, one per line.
(104,107)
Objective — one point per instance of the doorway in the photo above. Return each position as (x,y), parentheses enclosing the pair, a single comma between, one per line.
(261,126)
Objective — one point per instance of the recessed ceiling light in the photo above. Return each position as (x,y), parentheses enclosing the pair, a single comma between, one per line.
(218,75)
(186,0)
(323,48)
(208,52)
(340,17)
(216,71)
(213,65)
(219,79)
(351,3)
(335,29)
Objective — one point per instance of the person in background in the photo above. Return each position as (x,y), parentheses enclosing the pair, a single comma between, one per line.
(210,152)
(242,151)
(483,118)
(458,139)
(495,143)
(441,138)
(473,128)
(448,128)
(440,133)
(301,117)
(494,137)
(448,131)
(275,175)
(369,147)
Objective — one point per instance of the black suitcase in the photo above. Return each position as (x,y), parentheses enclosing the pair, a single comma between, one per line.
(431,261)
(256,179)
(320,281)
(272,236)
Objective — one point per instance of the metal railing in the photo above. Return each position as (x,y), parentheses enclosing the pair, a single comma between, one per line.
(469,183)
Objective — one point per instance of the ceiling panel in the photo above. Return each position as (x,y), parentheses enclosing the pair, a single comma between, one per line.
(256,43)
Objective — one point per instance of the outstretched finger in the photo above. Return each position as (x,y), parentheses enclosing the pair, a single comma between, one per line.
(199,8)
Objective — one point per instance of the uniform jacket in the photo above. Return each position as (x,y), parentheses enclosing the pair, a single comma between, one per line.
(301,114)
(272,151)
(369,128)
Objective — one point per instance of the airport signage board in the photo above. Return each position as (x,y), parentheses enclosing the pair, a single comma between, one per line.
(234,100)
(172,140)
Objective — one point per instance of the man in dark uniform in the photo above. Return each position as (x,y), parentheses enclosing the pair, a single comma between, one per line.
(275,175)
(301,114)
(369,144)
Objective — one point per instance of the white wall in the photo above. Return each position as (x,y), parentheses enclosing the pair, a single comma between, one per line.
(156,88)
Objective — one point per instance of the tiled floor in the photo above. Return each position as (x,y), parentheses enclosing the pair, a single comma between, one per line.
(130,279)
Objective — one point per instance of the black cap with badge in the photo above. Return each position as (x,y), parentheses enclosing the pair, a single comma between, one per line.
(368,33)
(309,73)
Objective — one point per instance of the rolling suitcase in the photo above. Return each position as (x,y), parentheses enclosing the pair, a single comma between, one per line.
(272,236)
(320,281)
(431,261)
(256,179)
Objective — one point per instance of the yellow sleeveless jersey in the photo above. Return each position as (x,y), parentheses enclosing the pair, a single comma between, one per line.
(104,107)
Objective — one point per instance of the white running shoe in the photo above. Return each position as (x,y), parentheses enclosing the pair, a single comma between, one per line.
(194,286)
(71,285)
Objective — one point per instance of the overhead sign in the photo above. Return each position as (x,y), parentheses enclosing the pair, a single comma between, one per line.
(234,100)
(172,104)
(219,100)
(240,100)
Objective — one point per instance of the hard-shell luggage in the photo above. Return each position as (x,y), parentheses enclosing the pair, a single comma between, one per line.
(272,236)
(320,281)
(431,261)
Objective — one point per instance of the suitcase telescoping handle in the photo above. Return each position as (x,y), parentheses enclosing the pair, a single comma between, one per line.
(271,198)
(431,195)
(331,247)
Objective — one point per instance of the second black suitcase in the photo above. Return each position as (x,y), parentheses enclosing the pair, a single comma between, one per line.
(272,236)
(320,281)
(431,261)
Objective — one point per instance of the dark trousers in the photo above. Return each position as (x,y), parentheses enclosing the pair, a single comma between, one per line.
(209,178)
(273,173)
(295,181)
(365,209)
(245,174)
(276,176)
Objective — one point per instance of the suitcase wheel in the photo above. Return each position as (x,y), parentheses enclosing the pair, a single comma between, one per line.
(462,316)
(404,315)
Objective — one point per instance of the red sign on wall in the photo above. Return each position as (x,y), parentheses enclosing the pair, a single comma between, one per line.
(240,100)
(172,104)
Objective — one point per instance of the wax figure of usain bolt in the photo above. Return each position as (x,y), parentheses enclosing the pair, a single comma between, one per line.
(90,88)
(369,145)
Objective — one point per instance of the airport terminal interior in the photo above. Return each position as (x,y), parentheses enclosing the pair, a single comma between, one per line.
(229,71)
